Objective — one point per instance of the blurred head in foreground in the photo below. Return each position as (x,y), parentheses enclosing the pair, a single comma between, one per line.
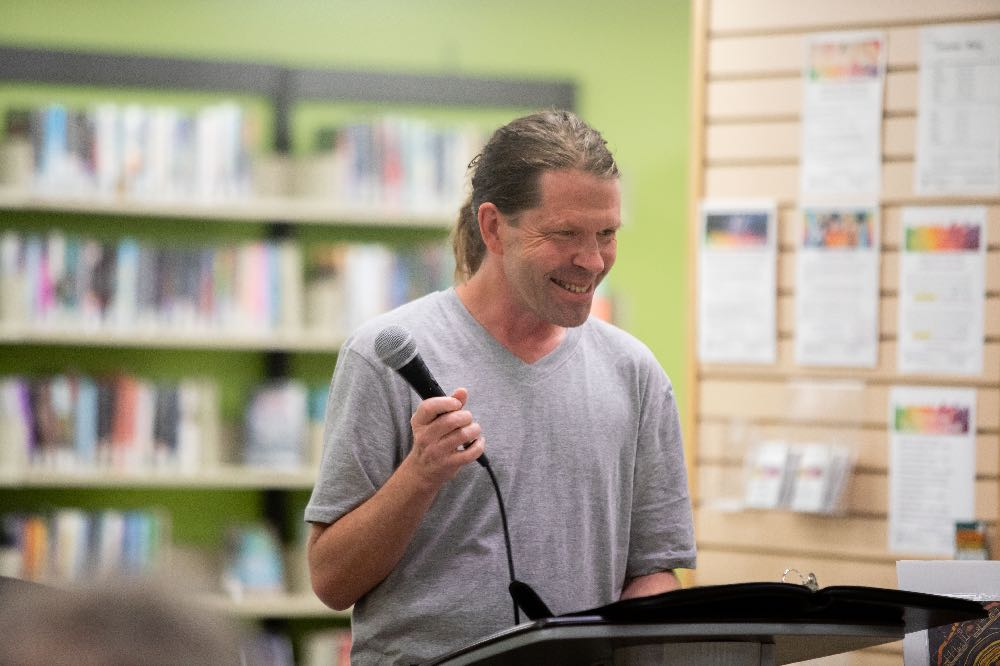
(118,623)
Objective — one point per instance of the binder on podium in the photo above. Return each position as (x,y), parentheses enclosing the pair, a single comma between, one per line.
(742,623)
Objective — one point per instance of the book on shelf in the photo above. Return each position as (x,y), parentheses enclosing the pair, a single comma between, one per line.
(276,425)
(17,154)
(123,423)
(318,397)
(61,282)
(68,545)
(254,563)
(162,153)
(325,266)
(389,163)
(327,647)
(283,425)
(151,153)
(267,647)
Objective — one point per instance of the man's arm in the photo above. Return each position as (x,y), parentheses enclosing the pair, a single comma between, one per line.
(349,557)
(655,583)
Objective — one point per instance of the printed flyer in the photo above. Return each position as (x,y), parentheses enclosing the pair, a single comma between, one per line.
(843,78)
(942,290)
(837,287)
(737,292)
(958,113)
(932,467)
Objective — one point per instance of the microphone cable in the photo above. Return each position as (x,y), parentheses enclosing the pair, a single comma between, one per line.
(506,535)
(394,345)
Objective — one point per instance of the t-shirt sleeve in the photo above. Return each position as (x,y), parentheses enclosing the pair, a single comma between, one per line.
(662,532)
(364,437)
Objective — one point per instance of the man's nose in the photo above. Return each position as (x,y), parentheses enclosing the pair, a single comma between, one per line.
(589,256)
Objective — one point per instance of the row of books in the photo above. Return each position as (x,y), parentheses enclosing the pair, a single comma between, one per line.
(802,477)
(67,545)
(212,154)
(65,280)
(120,423)
(390,163)
(136,151)
(75,423)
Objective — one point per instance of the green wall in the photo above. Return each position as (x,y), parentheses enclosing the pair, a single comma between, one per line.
(630,60)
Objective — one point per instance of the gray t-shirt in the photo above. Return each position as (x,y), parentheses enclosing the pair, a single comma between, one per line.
(586,446)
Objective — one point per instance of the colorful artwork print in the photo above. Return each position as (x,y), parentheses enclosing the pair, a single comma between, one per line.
(943,238)
(849,229)
(932,420)
(973,643)
(844,60)
(740,229)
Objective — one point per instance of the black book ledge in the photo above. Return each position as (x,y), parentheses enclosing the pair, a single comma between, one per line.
(789,602)
(760,603)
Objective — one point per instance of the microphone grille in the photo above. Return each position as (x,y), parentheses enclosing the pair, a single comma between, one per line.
(395,346)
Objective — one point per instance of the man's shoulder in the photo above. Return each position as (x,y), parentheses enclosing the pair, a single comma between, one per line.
(622,350)
(413,315)
(621,342)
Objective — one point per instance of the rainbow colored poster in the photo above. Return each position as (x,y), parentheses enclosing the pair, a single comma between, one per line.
(837,286)
(842,80)
(737,282)
(942,258)
(932,467)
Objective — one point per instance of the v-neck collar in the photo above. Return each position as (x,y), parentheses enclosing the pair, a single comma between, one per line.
(503,357)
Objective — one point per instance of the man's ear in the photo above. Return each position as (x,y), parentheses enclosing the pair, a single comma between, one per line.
(490,223)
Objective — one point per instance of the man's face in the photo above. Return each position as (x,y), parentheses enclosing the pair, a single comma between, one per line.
(560,251)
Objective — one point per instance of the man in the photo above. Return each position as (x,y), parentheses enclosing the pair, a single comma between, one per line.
(582,425)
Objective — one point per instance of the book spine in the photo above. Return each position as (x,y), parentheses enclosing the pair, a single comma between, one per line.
(85,426)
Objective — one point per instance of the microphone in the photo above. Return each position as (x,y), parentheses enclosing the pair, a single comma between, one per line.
(395,346)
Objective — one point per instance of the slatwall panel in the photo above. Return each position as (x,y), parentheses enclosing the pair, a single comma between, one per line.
(747,98)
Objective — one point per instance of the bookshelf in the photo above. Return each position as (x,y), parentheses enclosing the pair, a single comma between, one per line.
(225,476)
(275,497)
(259,210)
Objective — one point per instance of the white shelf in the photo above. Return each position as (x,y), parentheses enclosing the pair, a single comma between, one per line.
(233,477)
(301,341)
(294,605)
(257,210)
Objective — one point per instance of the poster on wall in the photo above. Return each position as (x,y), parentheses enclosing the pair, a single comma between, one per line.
(737,287)
(958,112)
(932,467)
(837,286)
(941,290)
(841,152)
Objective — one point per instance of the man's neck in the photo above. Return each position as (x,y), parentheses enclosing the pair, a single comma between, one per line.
(521,332)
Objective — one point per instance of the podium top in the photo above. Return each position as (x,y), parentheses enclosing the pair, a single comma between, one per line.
(788,602)
(799,623)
